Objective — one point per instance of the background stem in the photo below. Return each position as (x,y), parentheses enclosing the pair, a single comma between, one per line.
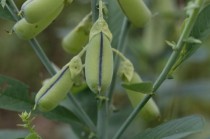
(120,47)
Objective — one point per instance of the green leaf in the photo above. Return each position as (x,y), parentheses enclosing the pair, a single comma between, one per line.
(14,96)
(175,129)
(5,14)
(200,31)
(12,134)
(143,87)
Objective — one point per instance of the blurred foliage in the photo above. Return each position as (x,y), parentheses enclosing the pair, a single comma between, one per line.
(188,93)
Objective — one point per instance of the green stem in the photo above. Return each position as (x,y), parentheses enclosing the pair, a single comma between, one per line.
(119,54)
(94,10)
(102,121)
(185,34)
(120,47)
(41,54)
(44,59)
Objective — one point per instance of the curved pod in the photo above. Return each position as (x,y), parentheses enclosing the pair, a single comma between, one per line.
(136,11)
(36,10)
(26,31)
(150,111)
(55,90)
(99,63)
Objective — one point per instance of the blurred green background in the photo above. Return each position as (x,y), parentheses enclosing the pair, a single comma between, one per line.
(188,93)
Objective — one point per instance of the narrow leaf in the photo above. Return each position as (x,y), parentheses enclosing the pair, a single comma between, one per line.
(5,14)
(175,129)
(143,87)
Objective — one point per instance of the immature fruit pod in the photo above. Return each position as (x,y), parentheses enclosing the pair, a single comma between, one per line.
(55,90)
(26,31)
(99,63)
(75,40)
(150,111)
(36,10)
(136,11)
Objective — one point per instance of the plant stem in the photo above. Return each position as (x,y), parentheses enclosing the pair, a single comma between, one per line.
(94,10)
(41,54)
(120,47)
(44,59)
(185,34)
(102,120)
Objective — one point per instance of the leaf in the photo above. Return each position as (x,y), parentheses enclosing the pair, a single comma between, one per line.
(12,134)
(200,31)
(143,87)
(5,14)
(175,129)
(14,96)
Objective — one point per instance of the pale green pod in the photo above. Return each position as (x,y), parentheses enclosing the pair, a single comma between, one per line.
(150,111)
(136,11)
(55,90)
(99,63)
(75,40)
(36,10)
(26,31)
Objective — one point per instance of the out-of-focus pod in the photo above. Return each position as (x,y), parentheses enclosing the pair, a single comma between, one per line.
(150,111)
(75,40)
(136,11)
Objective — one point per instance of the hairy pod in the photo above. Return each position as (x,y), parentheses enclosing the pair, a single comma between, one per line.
(26,31)
(150,111)
(99,63)
(55,90)
(36,10)
(136,11)
(75,40)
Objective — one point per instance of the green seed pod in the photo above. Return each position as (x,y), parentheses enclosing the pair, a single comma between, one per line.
(55,90)
(75,40)
(36,10)
(99,63)
(26,31)
(136,11)
(99,56)
(150,111)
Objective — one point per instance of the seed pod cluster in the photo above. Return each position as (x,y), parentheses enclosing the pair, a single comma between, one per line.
(99,56)
(136,11)
(56,88)
(75,40)
(37,17)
